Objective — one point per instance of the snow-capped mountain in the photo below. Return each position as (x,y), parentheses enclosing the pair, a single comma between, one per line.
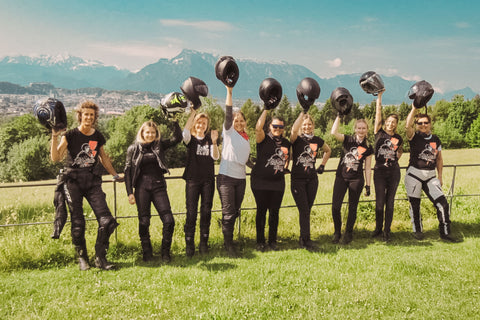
(62,71)
(167,75)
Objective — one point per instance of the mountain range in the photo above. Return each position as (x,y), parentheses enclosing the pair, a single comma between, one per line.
(167,75)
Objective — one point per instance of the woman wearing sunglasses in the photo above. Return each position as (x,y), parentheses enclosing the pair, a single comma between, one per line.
(425,157)
(267,178)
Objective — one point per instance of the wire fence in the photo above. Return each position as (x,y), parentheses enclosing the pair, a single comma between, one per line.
(450,196)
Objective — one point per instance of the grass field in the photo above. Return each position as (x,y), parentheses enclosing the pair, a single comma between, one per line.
(39,277)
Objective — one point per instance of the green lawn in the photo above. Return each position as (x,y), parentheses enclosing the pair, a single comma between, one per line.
(39,277)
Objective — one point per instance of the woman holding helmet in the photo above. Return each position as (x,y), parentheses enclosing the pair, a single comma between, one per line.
(388,150)
(231,178)
(425,158)
(350,173)
(267,178)
(305,148)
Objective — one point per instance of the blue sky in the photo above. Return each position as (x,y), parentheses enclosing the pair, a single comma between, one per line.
(438,41)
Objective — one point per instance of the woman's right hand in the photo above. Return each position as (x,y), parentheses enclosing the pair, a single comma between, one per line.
(131,199)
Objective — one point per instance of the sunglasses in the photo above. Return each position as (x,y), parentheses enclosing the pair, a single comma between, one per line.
(423,123)
(278,126)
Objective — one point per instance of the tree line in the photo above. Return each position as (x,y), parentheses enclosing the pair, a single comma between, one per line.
(25,143)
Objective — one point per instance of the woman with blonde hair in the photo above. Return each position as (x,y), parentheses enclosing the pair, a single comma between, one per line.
(304,181)
(350,176)
(145,167)
(199,174)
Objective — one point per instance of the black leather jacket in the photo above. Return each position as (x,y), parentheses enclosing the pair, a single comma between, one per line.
(135,155)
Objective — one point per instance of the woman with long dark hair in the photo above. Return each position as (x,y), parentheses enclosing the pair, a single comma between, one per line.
(267,177)
(231,179)
(386,176)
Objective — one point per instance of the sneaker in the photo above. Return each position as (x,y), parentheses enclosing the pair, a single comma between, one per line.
(418,235)
(336,238)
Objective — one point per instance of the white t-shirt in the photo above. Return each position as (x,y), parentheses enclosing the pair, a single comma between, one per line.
(235,152)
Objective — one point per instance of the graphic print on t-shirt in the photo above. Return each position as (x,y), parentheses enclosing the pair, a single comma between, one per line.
(203,150)
(86,157)
(277,160)
(429,153)
(388,150)
(352,158)
(307,157)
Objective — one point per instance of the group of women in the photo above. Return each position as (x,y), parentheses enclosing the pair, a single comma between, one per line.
(145,183)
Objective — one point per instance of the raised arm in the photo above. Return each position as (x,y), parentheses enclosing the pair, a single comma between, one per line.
(339,136)
(409,129)
(259,133)
(378,113)
(188,126)
(228,109)
(57,150)
(215,152)
(296,127)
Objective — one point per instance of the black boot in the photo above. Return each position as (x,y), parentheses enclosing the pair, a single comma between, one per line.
(82,257)
(189,246)
(203,247)
(229,246)
(166,251)
(147,250)
(57,229)
(101,245)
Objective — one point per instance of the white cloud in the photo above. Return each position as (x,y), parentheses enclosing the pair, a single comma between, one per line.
(462,25)
(209,25)
(335,63)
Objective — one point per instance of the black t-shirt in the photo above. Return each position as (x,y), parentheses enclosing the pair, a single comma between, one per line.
(82,149)
(304,155)
(200,164)
(352,157)
(386,147)
(424,151)
(268,172)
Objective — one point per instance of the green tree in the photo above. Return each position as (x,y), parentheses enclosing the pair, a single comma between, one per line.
(29,160)
(17,130)
(473,135)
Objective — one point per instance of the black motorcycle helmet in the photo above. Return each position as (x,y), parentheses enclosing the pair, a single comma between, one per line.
(341,100)
(371,83)
(421,92)
(50,113)
(174,103)
(270,92)
(226,70)
(308,90)
(193,88)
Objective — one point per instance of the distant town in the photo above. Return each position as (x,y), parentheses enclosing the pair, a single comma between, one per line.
(110,102)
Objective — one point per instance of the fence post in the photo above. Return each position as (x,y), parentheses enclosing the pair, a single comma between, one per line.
(452,188)
(115,206)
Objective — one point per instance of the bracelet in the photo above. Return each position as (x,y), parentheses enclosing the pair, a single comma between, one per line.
(115,177)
